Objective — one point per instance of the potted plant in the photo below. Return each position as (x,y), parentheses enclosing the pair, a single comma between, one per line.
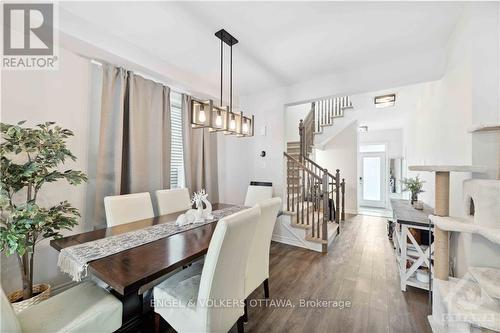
(414,185)
(30,158)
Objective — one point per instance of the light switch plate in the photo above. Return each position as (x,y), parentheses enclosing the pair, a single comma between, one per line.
(263,131)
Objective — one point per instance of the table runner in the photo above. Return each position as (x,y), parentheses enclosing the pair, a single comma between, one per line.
(74,259)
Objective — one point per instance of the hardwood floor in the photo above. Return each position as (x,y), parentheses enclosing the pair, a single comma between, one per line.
(359,267)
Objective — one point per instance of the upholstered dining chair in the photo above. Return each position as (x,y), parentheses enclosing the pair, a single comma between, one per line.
(171,201)
(209,297)
(84,308)
(257,270)
(258,192)
(121,209)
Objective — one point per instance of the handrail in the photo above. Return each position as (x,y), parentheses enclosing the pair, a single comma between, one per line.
(302,166)
(318,166)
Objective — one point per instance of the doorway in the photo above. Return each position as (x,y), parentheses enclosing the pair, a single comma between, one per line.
(372,175)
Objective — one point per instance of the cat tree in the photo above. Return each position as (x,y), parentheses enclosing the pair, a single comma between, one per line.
(470,303)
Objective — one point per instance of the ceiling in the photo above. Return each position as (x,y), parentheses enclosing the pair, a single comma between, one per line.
(281,43)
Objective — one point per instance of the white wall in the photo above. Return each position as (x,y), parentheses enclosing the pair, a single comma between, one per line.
(341,153)
(393,138)
(293,115)
(61,96)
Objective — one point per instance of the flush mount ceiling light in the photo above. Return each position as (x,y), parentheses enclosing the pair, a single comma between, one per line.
(385,100)
(218,118)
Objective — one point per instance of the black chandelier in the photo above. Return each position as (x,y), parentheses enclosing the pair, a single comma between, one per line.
(219,118)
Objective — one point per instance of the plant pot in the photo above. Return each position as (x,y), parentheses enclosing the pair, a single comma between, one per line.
(418,205)
(40,291)
(414,198)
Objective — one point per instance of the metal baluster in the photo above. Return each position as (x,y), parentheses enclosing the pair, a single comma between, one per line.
(297,192)
(342,216)
(337,197)
(324,225)
(290,166)
(308,195)
(302,193)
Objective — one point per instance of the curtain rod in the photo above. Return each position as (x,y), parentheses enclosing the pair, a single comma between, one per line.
(148,77)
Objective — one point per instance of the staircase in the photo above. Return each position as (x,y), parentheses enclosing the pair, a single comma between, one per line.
(314,196)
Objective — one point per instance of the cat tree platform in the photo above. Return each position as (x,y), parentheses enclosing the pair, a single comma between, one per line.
(455,224)
(442,208)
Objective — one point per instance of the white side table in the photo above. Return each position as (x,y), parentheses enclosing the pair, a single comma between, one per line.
(407,217)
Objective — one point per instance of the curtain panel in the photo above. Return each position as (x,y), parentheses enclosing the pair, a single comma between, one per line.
(200,155)
(134,139)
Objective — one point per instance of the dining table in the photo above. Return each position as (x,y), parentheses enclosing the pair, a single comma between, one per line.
(131,274)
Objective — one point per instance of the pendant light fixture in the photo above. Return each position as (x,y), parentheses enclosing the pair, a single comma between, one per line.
(217,118)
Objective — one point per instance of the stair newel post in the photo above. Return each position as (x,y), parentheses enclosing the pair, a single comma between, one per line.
(324,230)
(342,216)
(337,196)
(302,138)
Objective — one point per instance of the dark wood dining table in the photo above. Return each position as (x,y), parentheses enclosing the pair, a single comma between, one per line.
(128,271)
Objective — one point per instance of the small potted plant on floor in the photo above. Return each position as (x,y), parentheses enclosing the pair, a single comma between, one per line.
(30,158)
(414,185)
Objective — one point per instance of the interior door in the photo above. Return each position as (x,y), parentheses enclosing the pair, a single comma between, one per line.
(372,179)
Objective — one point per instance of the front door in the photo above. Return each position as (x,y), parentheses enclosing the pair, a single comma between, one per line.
(372,179)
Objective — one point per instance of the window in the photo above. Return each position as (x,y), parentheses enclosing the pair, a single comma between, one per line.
(177,151)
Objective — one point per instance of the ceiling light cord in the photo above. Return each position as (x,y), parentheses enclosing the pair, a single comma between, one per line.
(231,80)
(221,69)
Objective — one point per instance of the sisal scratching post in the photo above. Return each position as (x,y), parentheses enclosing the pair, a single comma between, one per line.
(441,239)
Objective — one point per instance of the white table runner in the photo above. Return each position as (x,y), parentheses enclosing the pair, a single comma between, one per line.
(74,259)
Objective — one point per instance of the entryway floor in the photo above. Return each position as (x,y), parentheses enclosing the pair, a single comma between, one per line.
(374,211)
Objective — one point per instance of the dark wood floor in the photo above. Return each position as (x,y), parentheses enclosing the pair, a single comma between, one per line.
(360,268)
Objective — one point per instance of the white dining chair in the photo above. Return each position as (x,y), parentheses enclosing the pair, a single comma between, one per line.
(127,208)
(258,192)
(84,308)
(257,270)
(209,297)
(171,201)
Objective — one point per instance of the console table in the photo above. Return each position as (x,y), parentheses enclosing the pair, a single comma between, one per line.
(407,217)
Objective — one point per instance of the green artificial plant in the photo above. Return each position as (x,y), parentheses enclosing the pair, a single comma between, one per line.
(414,185)
(30,158)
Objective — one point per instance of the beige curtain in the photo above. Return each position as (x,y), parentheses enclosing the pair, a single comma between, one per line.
(134,144)
(200,155)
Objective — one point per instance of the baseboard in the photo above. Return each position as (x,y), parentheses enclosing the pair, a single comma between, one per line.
(289,241)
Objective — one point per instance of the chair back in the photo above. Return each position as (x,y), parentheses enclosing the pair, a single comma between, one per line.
(258,192)
(127,208)
(9,322)
(257,269)
(223,275)
(171,201)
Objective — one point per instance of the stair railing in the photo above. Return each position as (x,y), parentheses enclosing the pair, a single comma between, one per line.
(309,199)
(337,187)
(325,110)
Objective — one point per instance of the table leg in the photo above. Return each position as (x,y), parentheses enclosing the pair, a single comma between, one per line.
(402,262)
(441,238)
(132,317)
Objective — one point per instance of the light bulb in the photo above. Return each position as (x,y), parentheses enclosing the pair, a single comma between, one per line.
(202,117)
(245,127)
(232,124)
(218,121)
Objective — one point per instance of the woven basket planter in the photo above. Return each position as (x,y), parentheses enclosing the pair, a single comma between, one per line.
(42,292)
